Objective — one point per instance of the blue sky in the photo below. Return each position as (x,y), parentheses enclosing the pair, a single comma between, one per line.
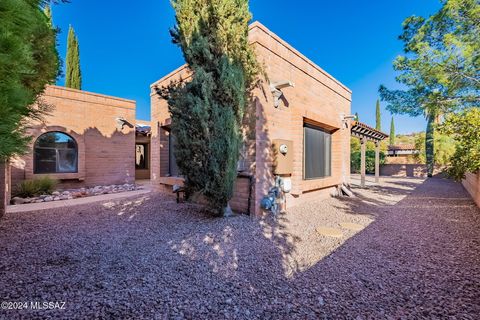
(125,45)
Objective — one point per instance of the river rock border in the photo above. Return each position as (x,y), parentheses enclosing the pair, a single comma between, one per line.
(77,193)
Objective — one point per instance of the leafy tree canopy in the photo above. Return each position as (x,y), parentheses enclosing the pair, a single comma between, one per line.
(464,127)
(441,66)
(28,61)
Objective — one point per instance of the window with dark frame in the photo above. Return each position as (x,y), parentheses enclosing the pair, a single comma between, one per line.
(317,152)
(141,159)
(55,152)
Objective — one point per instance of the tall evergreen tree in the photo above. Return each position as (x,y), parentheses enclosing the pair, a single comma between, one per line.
(440,67)
(378,117)
(356,117)
(73,78)
(207,111)
(392,133)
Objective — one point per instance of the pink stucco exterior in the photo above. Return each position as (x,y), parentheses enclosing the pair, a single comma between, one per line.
(317,98)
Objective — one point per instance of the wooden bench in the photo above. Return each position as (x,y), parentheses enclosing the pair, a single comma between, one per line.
(177,184)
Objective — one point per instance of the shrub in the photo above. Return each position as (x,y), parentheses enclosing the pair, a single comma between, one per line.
(463,127)
(31,188)
(355,161)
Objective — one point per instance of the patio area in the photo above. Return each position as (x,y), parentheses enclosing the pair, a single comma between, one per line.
(407,248)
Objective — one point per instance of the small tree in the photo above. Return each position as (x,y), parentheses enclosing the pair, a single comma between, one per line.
(73,77)
(464,127)
(378,117)
(356,117)
(440,66)
(392,133)
(207,111)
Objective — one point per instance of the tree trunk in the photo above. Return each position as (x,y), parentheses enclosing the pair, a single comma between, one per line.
(430,144)
(4,186)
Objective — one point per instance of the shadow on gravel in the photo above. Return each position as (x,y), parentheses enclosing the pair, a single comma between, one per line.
(152,258)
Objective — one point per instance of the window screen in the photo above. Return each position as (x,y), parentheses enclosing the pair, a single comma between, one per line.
(317,153)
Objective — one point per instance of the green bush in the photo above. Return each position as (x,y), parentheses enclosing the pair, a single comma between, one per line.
(355,161)
(31,188)
(463,126)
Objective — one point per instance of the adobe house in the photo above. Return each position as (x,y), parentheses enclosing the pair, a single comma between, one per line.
(88,139)
(296,130)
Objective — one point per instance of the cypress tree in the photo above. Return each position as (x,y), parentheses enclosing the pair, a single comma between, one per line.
(73,77)
(378,117)
(392,133)
(356,116)
(207,111)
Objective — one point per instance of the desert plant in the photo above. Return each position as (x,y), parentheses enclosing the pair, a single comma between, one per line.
(36,187)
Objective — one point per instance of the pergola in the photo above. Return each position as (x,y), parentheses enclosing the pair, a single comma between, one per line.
(365,133)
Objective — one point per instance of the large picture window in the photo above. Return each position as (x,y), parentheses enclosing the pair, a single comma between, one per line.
(317,152)
(55,152)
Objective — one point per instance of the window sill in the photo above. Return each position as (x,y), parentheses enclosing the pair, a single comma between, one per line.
(61,176)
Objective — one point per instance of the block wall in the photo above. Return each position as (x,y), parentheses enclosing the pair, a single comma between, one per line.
(106,150)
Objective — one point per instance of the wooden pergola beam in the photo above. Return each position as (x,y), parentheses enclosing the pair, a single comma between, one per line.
(365,133)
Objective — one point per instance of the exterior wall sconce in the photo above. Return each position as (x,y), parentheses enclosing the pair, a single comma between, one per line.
(276,89)
(122,122)
(344,118)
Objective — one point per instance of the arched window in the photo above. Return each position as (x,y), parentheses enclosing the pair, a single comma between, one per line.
(55,152)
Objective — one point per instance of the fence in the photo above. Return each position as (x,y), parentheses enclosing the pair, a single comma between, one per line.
(472,184)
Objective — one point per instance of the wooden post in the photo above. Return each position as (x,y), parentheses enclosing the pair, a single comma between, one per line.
(377,162)
(363,143)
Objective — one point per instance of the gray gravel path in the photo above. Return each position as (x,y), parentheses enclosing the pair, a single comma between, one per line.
(418,256)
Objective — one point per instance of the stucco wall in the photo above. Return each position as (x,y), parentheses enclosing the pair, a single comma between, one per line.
(472,185)
(317,97)
(105,151)
(407,170)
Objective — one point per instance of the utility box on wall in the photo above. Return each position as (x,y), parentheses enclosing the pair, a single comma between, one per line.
(283,151)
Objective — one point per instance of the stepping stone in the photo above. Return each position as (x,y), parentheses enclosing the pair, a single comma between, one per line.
(330,232)
(351,226)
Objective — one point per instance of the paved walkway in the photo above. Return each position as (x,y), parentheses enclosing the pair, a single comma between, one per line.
(413,252)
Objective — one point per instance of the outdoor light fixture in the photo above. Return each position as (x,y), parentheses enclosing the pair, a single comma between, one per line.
(349,117)
(122,122)
(276,87)
(345,118)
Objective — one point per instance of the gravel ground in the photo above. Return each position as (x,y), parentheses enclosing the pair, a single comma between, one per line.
(418,256)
